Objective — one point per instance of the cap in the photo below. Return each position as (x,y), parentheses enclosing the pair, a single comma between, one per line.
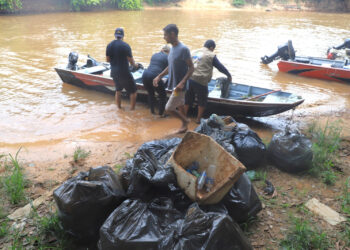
(119,32)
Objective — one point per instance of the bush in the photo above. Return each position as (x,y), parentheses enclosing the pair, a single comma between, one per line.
(10,5)
(238,3)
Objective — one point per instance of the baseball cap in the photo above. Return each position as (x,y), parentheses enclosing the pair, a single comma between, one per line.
(119,32)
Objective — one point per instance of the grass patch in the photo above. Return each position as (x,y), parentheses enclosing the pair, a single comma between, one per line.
(303,236)
(80,154)
(117,167)
(326,142)
(4,229)
(128,155)
(49,232)
(345,205)
(14,182)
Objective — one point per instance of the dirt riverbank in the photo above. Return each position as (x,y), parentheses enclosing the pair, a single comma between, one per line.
(48,166)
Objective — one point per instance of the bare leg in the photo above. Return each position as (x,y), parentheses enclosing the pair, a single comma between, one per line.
(200,114)
(118,99)
(183,119)
(133,100)
(186,109)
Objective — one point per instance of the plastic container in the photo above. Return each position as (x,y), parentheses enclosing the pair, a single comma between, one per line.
(201,181)
(210,177)
(206,151)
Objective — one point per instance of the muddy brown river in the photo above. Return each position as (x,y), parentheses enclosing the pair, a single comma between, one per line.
(36,108)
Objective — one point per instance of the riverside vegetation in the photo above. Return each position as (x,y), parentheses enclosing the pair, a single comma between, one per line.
(14,6)
(296,229)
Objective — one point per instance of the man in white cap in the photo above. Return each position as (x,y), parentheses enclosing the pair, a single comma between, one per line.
(119,54)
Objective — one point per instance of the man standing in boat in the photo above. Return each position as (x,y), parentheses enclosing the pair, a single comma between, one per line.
(119,54)
(180,68)
(204,60)
(159,61)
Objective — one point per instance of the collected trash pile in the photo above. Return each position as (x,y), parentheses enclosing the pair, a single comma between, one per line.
(173,194)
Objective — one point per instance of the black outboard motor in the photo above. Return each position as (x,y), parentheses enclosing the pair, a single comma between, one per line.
(344,45)
(284,52)
(72,61)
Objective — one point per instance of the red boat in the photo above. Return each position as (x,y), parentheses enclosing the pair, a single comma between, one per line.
(334,70)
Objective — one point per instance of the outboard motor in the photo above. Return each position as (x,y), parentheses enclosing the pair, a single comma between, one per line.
(344,45)
(333,53)
(72,61)
(285,52)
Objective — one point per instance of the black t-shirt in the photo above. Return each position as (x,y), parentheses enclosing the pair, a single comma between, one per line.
(118,51)
(159,62)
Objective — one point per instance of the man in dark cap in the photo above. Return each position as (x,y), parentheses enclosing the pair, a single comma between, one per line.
(204,60)
(119,54)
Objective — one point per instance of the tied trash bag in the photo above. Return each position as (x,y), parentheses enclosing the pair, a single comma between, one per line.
(206,231)
(85,201)
(138,225)
(224,86)
(249,147)
(147,169)
(242,201)
(290,151)
(215,127)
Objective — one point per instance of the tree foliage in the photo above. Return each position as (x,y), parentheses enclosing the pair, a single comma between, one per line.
(10,5)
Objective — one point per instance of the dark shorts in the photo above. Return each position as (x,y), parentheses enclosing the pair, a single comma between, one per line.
(126,82)
(196,90)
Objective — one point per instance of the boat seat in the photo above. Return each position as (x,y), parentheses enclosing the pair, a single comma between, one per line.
(303,60)
(338,65)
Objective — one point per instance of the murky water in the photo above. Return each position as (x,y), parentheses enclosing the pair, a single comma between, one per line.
(36,108)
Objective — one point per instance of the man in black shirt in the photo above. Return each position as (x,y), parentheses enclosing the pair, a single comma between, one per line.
(159,61)
(119,54)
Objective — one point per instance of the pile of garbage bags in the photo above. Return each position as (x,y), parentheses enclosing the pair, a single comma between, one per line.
(143,207)
(238,140)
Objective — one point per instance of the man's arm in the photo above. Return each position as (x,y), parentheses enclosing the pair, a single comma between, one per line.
(158,77)
(217,64)
(189,73)
(132,62)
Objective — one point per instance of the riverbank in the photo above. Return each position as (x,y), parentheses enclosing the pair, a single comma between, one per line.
(48,166)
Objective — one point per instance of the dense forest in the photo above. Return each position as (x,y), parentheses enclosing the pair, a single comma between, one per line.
(22,6)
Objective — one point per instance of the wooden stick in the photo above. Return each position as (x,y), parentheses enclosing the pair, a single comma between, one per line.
(251,98)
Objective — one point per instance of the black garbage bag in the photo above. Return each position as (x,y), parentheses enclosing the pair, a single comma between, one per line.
(290,151)
(242,201)
(224,86)
(209,231)
(215,128)
(147,169)
(138,225)
(85,201)
(249,147)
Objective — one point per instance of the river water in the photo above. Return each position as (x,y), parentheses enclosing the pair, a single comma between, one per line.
(36,108)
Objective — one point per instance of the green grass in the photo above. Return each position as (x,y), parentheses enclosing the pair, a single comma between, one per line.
(80,154)
(128,155)
(14,181)
(117,167)
(302,236)
(326,141)
(345,205)
(4,228)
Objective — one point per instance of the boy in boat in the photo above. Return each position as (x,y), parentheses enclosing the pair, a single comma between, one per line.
(119,54)
(180,68)
(204,60)
(159,61)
